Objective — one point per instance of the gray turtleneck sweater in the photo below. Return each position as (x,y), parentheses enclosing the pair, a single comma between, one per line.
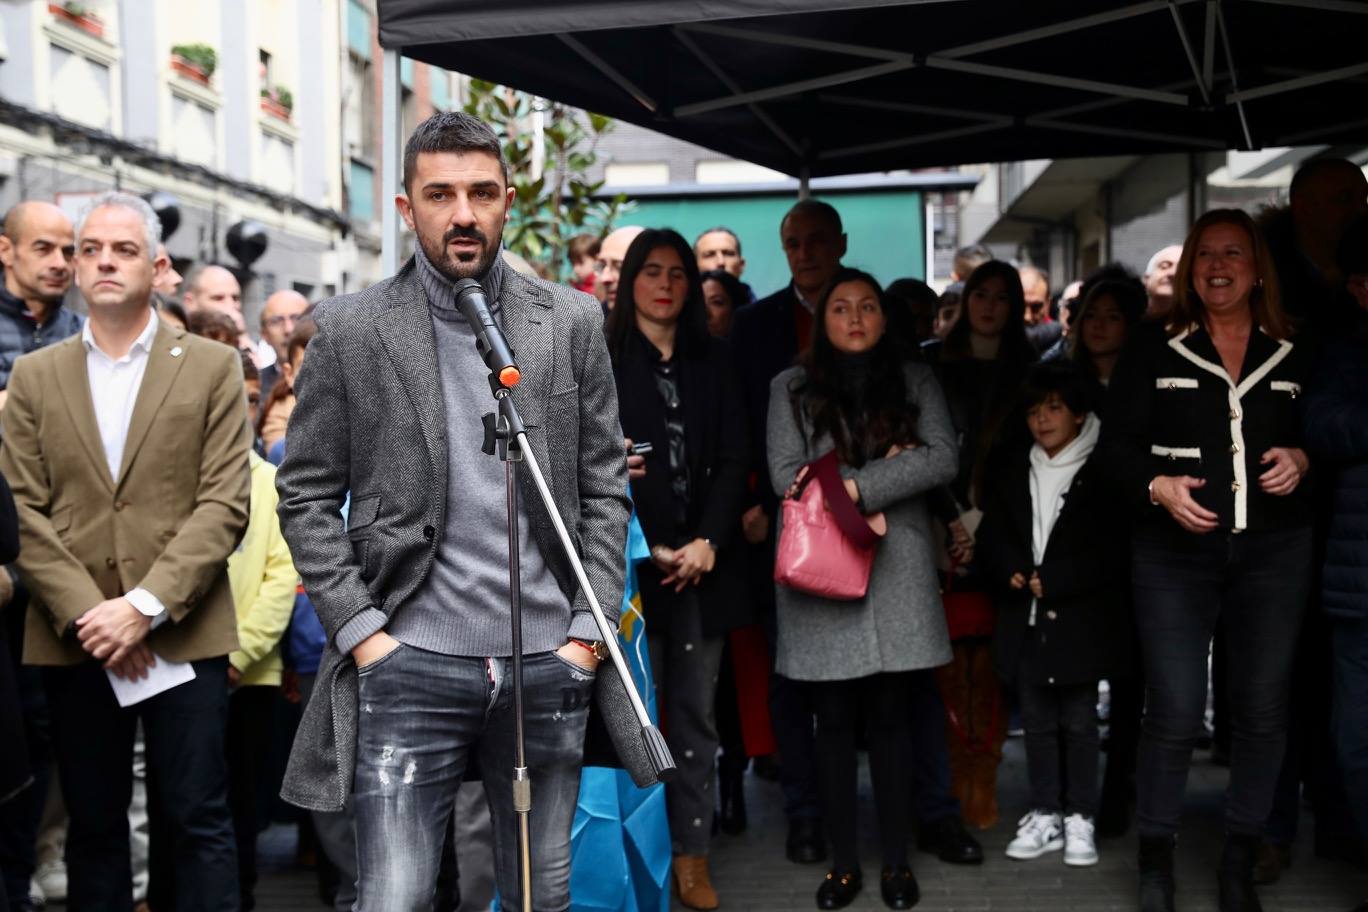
(462,608)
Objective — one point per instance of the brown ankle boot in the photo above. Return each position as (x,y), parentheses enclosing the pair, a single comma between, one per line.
(692,881)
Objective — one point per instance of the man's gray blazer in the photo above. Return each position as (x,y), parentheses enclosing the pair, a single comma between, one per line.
(370,420)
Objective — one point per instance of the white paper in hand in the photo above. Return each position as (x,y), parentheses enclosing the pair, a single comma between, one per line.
(161,677)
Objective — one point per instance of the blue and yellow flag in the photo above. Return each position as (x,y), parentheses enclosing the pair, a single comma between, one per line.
(620,843)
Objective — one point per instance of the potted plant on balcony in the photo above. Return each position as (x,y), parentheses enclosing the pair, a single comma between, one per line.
(277,101)
(79,16)
(194,61)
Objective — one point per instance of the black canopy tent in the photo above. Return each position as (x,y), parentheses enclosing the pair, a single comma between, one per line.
(839,88)
(816,87)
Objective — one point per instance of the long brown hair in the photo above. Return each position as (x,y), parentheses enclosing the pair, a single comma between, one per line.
(862,423)
(1265,299)
(1013,346)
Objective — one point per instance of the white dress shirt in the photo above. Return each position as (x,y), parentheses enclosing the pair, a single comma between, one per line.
(114,385)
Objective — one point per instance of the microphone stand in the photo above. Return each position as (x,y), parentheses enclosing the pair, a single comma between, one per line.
(506,434)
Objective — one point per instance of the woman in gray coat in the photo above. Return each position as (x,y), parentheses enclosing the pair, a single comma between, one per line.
(887,421)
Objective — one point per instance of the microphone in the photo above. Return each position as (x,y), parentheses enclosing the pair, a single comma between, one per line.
(489,338)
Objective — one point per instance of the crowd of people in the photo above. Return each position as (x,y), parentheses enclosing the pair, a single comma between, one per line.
(1068,493)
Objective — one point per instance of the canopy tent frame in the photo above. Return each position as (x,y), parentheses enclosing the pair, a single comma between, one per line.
(1212,88)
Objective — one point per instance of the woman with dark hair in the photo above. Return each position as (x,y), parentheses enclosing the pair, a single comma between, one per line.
(723,293)
(1204,435)
(885,418)
(919,302)
(981,365)
(677,390)
(1102,322)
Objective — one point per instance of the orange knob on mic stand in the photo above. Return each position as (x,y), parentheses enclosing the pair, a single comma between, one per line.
(509,376)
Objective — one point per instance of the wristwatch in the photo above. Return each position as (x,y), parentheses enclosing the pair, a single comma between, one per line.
(597,647)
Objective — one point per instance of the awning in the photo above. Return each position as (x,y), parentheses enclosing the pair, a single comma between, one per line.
(824,88)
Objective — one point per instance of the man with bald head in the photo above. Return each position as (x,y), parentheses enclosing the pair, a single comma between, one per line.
(609,264)
(1041,327)
(216,288)
(279,315)
(36,250)
(1326,196)
(1158,279)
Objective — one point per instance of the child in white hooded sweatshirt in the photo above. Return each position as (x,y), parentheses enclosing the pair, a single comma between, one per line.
(1054,542)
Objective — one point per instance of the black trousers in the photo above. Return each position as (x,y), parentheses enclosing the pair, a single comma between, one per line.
(1255,585)
(250,714)
(1061,746)
(790,706)
(184,732)
(881,700)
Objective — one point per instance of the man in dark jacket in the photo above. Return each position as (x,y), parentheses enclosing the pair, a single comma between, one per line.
(1325,198)
(1327,195)
(768,335)
(1337,432)
(36,250)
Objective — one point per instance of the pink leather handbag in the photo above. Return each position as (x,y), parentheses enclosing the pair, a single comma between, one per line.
(826,552)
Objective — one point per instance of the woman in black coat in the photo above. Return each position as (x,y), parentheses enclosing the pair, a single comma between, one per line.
(678,391)
(981,366)
(1204,434)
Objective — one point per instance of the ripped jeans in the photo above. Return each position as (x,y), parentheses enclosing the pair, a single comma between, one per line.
(423,717)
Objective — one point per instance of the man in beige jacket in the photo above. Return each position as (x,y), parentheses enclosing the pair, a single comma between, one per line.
(127,449)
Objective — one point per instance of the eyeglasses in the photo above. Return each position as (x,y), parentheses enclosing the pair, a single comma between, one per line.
(280,320)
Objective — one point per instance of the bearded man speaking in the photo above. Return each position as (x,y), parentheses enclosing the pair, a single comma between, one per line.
(412,586)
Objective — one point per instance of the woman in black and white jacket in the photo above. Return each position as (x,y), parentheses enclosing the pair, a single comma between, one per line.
(1205,437)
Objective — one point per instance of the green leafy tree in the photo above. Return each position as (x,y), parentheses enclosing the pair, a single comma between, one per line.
(559,202)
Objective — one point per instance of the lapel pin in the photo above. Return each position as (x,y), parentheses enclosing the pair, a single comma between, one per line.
(176,352)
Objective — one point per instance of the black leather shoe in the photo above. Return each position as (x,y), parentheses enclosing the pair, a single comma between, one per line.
(839,890)
(949,841)
(731,792)
(1156,874)
(766,767)
(806,844)
(1235,875)
(1270,863)
(899,887)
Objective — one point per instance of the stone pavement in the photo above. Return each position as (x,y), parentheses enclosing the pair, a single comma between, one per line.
(751,874)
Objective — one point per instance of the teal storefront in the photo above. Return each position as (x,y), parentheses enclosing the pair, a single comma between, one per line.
(886,229)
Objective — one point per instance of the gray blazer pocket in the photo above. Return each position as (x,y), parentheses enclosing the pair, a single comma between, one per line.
(363,511)
(361,516)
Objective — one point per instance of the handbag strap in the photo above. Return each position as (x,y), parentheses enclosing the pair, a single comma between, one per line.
(848,517)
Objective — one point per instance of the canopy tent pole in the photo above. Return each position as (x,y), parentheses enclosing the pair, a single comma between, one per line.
(390,177)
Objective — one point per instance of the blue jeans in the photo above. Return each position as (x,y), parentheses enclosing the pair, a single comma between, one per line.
(1256,586)
(422,714)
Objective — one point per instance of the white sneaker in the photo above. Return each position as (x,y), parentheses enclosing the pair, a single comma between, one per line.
(51,876)
(1038,832)
(1080,850)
